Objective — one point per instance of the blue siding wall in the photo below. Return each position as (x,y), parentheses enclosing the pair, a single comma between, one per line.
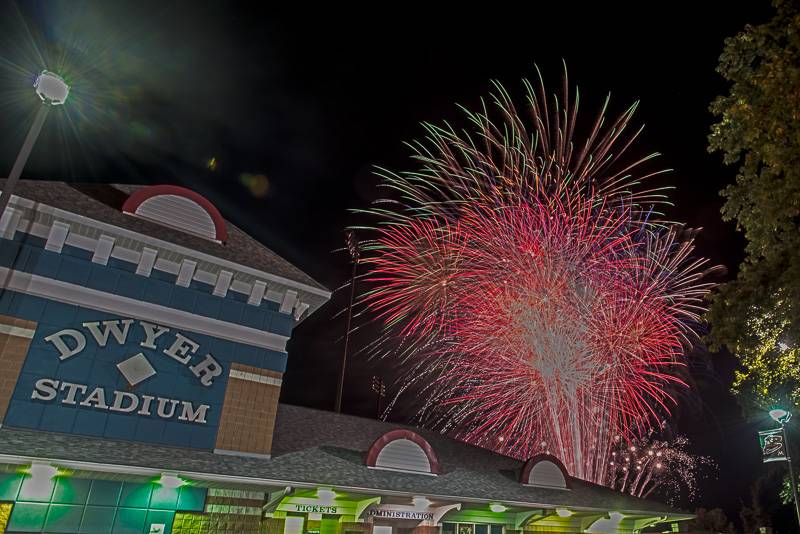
(96,366)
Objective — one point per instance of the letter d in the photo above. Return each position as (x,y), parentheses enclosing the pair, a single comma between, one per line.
(119,397)
(62,347)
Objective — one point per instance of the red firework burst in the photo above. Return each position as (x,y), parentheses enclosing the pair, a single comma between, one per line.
(534,300)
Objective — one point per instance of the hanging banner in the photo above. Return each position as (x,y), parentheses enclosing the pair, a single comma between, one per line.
(773,448)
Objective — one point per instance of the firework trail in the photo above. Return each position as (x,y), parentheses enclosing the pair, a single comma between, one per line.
(647,465)
(527,285)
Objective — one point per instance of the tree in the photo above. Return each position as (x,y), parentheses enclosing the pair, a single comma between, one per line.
(757,316)
(764,510)
(713,520)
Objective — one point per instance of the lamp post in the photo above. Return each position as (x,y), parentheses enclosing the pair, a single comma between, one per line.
(781,416)
(53,91)
(353,248)
(379,387)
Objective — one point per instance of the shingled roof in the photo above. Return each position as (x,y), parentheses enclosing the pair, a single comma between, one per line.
(103,202)
(315,447)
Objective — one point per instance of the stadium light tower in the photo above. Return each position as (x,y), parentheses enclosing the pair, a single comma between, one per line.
(53,91)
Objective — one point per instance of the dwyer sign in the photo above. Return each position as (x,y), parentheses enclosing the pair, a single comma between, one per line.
(136,368)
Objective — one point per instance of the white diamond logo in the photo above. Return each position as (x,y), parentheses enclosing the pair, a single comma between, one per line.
(136,369)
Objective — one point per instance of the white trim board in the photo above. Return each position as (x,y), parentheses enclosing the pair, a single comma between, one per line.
(146,260)
(127,307)
(148,240)
(225,452)
(252,377)
(16,331)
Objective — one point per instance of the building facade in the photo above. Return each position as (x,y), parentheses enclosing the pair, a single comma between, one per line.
(143,344)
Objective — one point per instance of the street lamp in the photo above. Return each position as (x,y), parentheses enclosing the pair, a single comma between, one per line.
(51,88)
(53,91)
(353,247)
(781,416)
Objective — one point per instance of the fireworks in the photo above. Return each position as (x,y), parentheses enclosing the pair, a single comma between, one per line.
(647,465)
(528,285)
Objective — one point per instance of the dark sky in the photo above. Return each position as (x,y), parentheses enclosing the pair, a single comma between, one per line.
(310,100)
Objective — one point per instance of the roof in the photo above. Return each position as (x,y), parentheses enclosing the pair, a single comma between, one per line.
(338,443)
(103,202)
(315,447)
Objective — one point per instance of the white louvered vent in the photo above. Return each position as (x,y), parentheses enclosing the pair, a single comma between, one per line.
(546,473)
(405,455)
(180,213)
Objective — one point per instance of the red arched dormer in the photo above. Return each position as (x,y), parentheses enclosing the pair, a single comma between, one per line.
(179,208)
(545,470)
(403,450)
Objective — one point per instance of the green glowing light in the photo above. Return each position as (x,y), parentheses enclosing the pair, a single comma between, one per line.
(170,480)
(326,495)
(41,471)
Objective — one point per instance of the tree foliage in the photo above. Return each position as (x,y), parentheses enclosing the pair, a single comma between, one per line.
(757,316)
(711,521)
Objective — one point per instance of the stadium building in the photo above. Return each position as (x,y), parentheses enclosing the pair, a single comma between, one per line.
(142,348)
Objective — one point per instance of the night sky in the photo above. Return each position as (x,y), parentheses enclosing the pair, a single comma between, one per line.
(297,109)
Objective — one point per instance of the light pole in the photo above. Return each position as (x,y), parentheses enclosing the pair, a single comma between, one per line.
(379,387)
(781,416)
(354,250)
(53,91)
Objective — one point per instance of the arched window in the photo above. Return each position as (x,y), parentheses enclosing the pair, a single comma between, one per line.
(178,208)
(403,450)
(546,471)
